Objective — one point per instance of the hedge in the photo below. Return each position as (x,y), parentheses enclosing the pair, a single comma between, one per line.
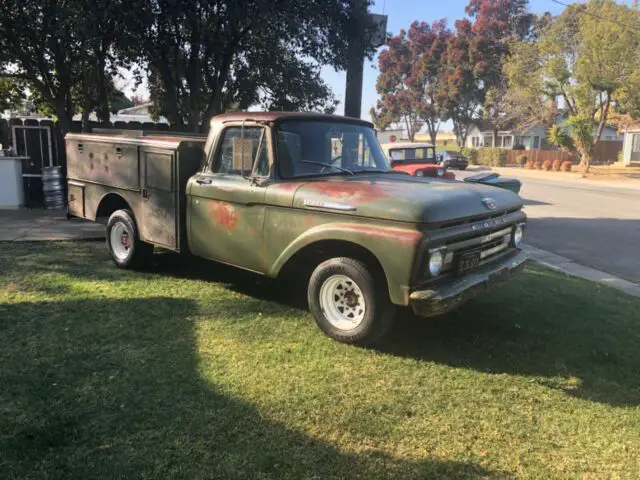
(492,157)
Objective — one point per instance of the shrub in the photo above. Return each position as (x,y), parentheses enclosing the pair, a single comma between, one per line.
(556,165)
(539,165)
(531,164)
(492,157)
(471,154)
(546,165)
(566,166)
(522,160)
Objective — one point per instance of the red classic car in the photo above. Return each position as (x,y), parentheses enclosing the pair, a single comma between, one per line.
(417,159)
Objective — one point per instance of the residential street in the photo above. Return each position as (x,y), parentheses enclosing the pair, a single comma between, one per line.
(597,226)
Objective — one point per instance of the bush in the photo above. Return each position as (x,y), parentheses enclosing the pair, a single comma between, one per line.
(522,161)
(556,165)
(492,157)
(471,154)
(546,165)
(566,166)
(538,165)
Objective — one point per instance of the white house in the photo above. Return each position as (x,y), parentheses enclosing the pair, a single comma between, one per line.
(481,135)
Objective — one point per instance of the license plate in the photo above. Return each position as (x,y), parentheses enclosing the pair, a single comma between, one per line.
(468,261)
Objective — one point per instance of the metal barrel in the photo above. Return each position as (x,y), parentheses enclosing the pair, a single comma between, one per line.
(53,188)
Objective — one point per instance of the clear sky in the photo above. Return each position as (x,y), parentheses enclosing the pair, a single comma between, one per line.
(401,13)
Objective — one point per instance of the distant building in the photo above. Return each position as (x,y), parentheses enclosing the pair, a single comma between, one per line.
(137,113)
(443,139)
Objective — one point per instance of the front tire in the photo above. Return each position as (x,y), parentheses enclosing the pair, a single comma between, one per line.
(348,302)
(123,241)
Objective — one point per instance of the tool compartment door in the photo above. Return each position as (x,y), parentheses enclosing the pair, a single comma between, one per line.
(158,219)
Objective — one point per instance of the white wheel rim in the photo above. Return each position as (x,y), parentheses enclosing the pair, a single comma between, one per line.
(120,240)
(342,302)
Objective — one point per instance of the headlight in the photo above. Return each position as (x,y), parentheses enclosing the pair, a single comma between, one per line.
(518,233)
(435,263)
(419,173)
(440,172)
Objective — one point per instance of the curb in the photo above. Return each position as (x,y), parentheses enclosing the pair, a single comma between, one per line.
(569,267)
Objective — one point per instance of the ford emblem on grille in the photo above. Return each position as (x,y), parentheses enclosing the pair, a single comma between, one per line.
(490,203)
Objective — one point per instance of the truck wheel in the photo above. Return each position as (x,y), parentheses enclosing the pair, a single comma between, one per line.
(123,241)
(347,302)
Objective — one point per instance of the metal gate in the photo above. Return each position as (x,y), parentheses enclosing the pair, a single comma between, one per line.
(35,143)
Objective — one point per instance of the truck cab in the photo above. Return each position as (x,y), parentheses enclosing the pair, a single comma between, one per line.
(305,194)
(417,159)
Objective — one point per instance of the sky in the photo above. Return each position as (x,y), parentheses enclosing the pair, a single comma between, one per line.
(401,13)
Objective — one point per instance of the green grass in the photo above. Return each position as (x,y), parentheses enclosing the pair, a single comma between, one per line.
(199,371)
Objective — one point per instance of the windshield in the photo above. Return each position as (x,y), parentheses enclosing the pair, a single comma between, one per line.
(308,148)
(413,155)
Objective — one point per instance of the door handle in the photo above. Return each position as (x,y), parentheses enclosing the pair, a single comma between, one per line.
(203,181)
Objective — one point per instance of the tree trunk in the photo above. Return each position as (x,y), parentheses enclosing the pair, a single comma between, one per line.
(103,100)
(495,138)
(586,154)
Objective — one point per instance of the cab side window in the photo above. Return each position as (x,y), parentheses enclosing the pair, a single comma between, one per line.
(241,150)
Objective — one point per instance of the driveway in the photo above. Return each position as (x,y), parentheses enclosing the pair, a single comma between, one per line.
(36,224)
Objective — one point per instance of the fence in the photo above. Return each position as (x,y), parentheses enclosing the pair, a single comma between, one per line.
(604,152)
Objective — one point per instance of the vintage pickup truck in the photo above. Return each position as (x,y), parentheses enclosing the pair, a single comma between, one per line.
(305,194)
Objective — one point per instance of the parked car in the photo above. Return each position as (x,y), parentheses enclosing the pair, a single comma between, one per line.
(453,160)
(418,159)
(495,180)
(308,194)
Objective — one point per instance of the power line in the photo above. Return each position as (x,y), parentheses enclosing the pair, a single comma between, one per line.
(599,17)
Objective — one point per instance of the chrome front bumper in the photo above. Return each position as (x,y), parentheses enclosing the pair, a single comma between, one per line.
(449,296)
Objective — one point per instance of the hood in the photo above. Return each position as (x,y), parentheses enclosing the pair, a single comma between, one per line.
(403,198)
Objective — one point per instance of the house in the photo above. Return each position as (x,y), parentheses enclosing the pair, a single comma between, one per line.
(137,113)
(480,134)
(389,136)
(443,139)
(631,145)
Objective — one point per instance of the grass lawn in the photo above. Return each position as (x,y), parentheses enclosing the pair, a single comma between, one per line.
(199,371)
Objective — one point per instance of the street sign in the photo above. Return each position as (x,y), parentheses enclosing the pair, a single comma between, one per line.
(378,34)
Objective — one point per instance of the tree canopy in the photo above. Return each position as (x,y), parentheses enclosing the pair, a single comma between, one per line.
(201,57)
(586,62)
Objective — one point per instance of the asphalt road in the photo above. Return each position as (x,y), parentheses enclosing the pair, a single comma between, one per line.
(595,226)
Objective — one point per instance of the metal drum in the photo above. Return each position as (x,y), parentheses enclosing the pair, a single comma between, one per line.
(53,188)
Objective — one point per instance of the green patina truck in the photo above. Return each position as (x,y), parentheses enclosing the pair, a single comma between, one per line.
(308,194)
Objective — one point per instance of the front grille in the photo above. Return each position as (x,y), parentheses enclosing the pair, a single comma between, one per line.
(489,245)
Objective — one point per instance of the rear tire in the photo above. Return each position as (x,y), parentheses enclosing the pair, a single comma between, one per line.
(123,241)
(348,302)
(463,168)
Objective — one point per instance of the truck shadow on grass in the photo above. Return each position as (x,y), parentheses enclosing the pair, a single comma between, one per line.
(94,389)
(582,338)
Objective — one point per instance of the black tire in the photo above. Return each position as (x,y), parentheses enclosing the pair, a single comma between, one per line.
(464,167)
(378,312)
(138,253)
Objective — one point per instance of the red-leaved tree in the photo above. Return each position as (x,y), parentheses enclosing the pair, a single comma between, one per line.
(408,83)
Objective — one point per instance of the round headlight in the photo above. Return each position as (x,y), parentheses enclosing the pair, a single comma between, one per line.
(518,233)
(440,172)
(419,173)
(435,263)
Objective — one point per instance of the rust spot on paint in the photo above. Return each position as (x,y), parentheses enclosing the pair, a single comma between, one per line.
(355,192)
(401,235)
(225,214)
(287,186)
(106,168)
(91,165)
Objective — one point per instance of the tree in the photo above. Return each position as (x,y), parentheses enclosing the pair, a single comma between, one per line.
(496,24)
(62,51)
(409,80)
(460,94)
(208,56)
(12,94)
(586,60)
(381,120)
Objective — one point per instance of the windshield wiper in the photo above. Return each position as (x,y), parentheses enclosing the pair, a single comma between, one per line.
(327,165)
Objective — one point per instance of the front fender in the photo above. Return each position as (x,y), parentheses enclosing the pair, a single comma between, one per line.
(394,247)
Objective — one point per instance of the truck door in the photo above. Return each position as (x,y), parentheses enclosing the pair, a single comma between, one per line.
(226,205)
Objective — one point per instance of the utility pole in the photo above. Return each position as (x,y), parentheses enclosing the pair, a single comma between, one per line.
(355,58)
